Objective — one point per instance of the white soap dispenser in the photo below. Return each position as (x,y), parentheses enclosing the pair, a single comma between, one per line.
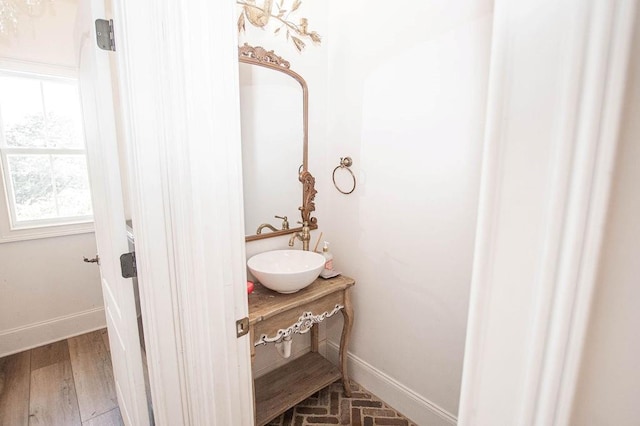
(328,261)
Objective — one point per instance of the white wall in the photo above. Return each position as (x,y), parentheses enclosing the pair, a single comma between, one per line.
(407,93)
(47,292)
(609,385)
(46,40)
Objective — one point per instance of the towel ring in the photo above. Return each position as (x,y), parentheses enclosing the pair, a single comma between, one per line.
(345,163)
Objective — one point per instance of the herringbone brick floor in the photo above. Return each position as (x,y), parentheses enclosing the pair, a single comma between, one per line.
(331,407)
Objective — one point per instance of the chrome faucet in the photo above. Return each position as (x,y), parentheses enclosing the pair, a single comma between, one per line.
(304,236)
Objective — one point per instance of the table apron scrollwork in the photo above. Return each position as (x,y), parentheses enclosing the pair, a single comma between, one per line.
(303,325)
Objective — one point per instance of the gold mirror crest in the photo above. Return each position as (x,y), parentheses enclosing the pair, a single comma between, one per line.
(260,54)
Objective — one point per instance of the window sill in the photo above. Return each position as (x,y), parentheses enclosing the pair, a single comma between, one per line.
(36,233)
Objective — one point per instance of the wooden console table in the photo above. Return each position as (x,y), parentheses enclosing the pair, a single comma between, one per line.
(274,317)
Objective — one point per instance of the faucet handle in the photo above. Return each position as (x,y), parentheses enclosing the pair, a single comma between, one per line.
(285,221)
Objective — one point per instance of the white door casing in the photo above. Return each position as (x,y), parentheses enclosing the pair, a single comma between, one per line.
(109,218)
(557,77)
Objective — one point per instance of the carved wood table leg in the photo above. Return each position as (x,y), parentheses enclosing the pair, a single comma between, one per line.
(314,338)
(347,313)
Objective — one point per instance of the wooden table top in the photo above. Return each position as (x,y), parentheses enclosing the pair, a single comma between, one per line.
(265,303)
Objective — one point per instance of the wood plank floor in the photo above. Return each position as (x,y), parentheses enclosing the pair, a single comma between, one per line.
(66,383)
(70,383)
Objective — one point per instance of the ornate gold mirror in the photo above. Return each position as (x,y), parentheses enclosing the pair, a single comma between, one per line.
(274,119)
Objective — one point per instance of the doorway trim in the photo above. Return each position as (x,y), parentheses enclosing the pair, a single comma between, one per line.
(557,77)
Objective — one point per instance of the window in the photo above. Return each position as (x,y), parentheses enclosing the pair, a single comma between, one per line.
(43,157)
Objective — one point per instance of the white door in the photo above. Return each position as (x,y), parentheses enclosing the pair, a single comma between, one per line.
(110,228)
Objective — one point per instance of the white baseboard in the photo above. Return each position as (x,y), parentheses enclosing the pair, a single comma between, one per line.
(417,408)
(41,333)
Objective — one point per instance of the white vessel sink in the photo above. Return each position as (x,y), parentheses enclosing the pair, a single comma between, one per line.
(286,271)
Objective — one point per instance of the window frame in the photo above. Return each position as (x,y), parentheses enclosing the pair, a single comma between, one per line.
(45,228)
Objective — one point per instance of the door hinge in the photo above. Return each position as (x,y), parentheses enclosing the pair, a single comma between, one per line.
(128,265)
(104,34)
(242,326)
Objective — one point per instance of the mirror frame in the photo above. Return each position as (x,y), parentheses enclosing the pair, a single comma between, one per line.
(268,59)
